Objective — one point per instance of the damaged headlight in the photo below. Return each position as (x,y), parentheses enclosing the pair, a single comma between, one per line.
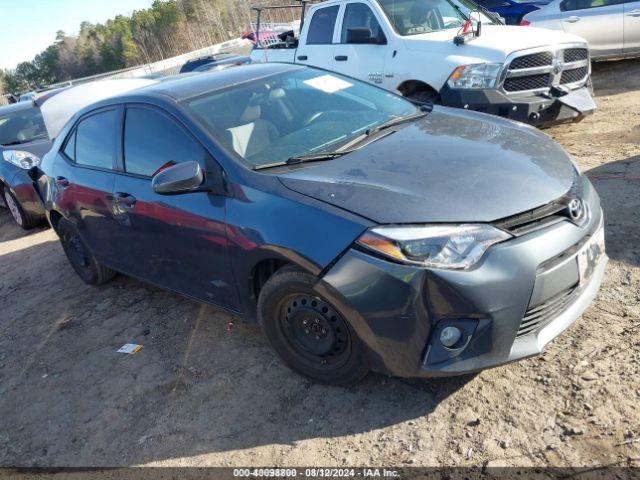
(484,75)
(19,158)
(436,246)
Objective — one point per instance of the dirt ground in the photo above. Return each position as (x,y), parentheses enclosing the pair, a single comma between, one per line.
(204,391)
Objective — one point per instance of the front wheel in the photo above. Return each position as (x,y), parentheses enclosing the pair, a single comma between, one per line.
(90,270)
(310,335)
(22,218)
(426,96)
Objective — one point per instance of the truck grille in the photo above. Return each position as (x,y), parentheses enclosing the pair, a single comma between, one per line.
(539,71)
(575,55)
(531,61)
(538,317)
(573,76)
(530,82)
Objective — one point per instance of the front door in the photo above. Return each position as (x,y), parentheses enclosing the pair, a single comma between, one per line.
(365,61)
(317,49)
(600,22)
(177,242)
(632,27)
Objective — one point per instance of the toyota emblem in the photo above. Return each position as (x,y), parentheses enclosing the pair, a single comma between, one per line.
(576,210)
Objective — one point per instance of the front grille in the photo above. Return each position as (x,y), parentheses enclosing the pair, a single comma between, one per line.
(533,60)
(575,55)
(530,82)
(538,317)
(575,75)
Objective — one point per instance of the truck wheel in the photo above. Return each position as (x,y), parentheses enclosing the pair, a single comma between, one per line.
(310,335)
(22,218)
(425,96)
(80,257)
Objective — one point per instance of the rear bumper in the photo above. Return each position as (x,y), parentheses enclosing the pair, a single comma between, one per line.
(538,110)
(399,311)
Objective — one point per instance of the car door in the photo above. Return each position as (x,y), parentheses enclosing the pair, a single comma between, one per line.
(317,46)
(84,179)
(355,57)
(177,242)
(600,22)
(632,27)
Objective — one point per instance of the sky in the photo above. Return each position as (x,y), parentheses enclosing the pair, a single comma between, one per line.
(29,26)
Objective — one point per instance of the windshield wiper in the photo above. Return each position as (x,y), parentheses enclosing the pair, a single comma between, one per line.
(397,121)
(313,157)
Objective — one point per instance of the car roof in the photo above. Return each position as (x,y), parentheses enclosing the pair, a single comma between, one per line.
(181,87)
(16,107)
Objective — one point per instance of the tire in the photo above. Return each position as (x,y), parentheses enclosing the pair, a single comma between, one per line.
(307,333)
(80,257)
(22,218)
(425,96)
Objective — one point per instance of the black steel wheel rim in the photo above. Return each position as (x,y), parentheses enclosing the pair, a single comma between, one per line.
(315,330)
(76,251)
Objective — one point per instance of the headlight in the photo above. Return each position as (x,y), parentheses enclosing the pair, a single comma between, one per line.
(484,75)
(24,160)
(436,246)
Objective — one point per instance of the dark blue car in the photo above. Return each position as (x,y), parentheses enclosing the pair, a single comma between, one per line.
(23,141)
(360,230)
(512,10)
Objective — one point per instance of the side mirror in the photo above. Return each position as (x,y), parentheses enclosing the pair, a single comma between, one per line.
(363,35)
(181,178)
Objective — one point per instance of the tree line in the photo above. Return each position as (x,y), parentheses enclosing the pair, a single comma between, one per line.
(166,29)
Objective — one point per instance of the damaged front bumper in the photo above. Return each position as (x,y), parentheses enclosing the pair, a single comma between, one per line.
(521,295)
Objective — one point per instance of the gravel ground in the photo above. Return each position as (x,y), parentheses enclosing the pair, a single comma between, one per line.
(206,391)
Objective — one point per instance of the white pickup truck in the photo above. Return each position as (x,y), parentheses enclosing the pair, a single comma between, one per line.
(420,48)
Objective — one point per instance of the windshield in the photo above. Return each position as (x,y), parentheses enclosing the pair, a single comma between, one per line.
(295,113)
(22,126)
(413,17)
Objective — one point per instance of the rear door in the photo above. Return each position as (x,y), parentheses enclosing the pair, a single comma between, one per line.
(318,38)
(85,177)
(600,22)
(365,61)
(177,242)
(632,27)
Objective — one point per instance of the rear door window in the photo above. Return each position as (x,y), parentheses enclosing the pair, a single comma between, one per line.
(322,26)
(95,140)
(571,5)
(153,142)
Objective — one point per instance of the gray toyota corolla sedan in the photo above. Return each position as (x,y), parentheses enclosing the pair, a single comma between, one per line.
(360,230)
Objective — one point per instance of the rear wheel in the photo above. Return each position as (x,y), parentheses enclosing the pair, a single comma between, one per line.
(22,218)
(310,335)
(80,257)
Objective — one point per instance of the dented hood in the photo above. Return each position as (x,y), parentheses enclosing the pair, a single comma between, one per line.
(452,166)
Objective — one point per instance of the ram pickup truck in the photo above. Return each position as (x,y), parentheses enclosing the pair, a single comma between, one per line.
(452,52)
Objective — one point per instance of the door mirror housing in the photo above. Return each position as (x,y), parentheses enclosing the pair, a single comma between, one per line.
(363,35)
(181,178)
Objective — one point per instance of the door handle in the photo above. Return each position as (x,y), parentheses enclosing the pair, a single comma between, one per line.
(573,19)
(634,13)
(125,199)
(62,182)
(302,58)
(341,58)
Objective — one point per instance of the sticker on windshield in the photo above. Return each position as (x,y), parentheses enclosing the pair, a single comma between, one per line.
(328,83)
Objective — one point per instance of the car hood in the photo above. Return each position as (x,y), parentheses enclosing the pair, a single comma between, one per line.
(452,166)
(38,147)
(494,44)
